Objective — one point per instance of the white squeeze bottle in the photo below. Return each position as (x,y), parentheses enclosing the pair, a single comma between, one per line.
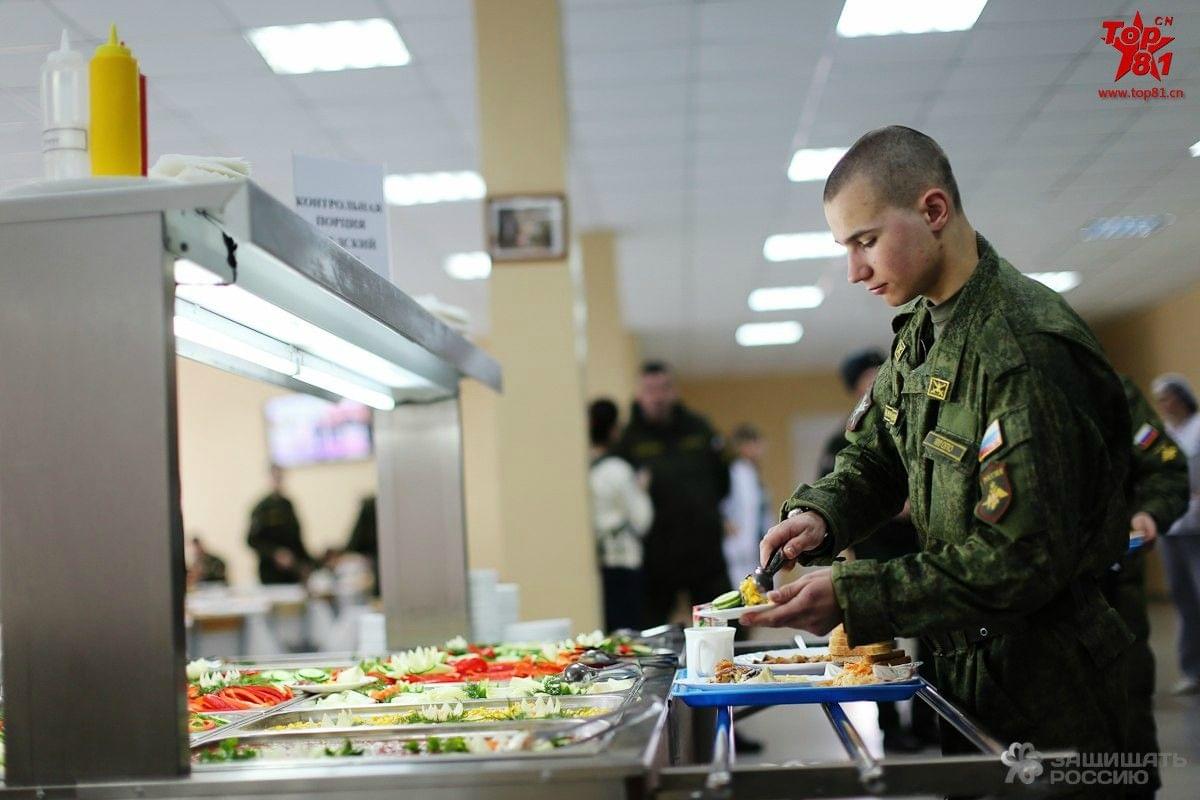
(65,114)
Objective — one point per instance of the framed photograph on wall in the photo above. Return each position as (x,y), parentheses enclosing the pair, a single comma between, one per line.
(527,227)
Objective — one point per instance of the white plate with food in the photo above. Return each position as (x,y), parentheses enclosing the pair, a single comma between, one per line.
(732,613)
(330,688)
(709,684)
(792,661)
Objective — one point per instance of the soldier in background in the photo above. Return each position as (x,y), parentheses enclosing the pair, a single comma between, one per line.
(1158,495)
(999,418)
(682,550)
(275,536)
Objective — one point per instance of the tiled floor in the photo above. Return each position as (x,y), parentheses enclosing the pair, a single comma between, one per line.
(802,734)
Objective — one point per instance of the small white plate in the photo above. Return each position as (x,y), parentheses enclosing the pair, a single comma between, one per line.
(330,688)
(732,613)
(707,684)
(811,668)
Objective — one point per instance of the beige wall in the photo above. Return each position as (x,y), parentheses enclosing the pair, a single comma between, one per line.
(770,404)
(223,468)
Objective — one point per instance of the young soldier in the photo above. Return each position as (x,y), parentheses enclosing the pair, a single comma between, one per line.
(999,418)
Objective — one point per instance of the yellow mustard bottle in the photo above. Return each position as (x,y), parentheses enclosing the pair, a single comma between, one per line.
(115,130)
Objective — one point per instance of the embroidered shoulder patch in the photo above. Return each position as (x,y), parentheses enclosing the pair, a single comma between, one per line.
(860,411)
(1145,436)
(900,348)
(1168,453)
(993,439)
(996,493)
(939,388)
(890,414)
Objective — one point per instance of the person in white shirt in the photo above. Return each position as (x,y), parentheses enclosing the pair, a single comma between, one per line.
(621,515)
(746,509)
(1181,546)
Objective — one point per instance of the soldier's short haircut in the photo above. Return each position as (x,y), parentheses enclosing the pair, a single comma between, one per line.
(655,368)
(900,162)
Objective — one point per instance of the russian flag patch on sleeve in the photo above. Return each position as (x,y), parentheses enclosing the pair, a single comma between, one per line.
(1145,436)
(993,440)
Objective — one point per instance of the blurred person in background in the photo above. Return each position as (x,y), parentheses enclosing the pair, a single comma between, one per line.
(364,538)
(275,536)
(746,510)
(1157,490)
(896,537)
(621,515)
(690,478)
(1181,546)
(203,566)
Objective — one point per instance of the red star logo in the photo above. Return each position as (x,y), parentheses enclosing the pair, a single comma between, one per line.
(1129,45)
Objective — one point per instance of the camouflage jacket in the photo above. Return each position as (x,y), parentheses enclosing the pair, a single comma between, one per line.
(1010,437)
(1158,477)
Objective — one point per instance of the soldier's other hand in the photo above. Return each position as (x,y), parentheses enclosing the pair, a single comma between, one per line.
(284,558)
(1144,524)
(795,535)
(807,603)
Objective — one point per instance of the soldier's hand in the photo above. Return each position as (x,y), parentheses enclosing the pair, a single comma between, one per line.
(795,535)
(807,603)
(1144,524)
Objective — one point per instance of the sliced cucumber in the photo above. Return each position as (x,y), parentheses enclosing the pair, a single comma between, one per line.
(312,674)
(728,600)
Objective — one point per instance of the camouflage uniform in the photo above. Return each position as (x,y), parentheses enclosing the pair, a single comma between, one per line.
(1010,437)
(1158,485)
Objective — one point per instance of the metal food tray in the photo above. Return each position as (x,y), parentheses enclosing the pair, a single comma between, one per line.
(274,750)
(263,726)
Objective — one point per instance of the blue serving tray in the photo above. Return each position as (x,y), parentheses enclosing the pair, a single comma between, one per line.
(750,694)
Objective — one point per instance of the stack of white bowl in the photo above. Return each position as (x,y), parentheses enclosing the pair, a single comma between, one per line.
(538,630)
(486,624)
(508,606)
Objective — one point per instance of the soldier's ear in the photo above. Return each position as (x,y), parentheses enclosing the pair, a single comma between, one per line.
(935,206)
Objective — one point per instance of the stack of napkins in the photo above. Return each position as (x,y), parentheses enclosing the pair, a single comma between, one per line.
(195,169)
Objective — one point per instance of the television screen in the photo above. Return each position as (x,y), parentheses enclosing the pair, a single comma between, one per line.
(308,430)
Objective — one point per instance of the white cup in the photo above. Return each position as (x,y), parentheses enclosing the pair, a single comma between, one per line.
(705,647)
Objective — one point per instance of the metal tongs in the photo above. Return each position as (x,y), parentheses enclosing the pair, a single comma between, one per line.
(764,577)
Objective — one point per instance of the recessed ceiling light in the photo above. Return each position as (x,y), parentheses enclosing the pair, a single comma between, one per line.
(469,266)
(1124,227)
(814,164)
(757,334)
(330,46)
(888,17)
(779,298)
(1060,282)
(433,187)
(1195,150)
(795,246)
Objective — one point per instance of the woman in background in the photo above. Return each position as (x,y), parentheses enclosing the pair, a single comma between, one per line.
(621,515)
(746,510)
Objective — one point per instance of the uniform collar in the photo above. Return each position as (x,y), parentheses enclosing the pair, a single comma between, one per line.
(968,310)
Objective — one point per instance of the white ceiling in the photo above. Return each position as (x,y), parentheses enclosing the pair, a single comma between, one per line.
(683,117)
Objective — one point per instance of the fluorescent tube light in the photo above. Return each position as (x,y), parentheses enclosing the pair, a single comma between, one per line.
(758,334)
(1195,150)
(433,187)
(264,352)
(780,298)
(330,46)
(352,387)
(235,303)
(1104,228)
(796,246)
(469,266)
(1063,281)
(889,17)
(189,273)
(814,164)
